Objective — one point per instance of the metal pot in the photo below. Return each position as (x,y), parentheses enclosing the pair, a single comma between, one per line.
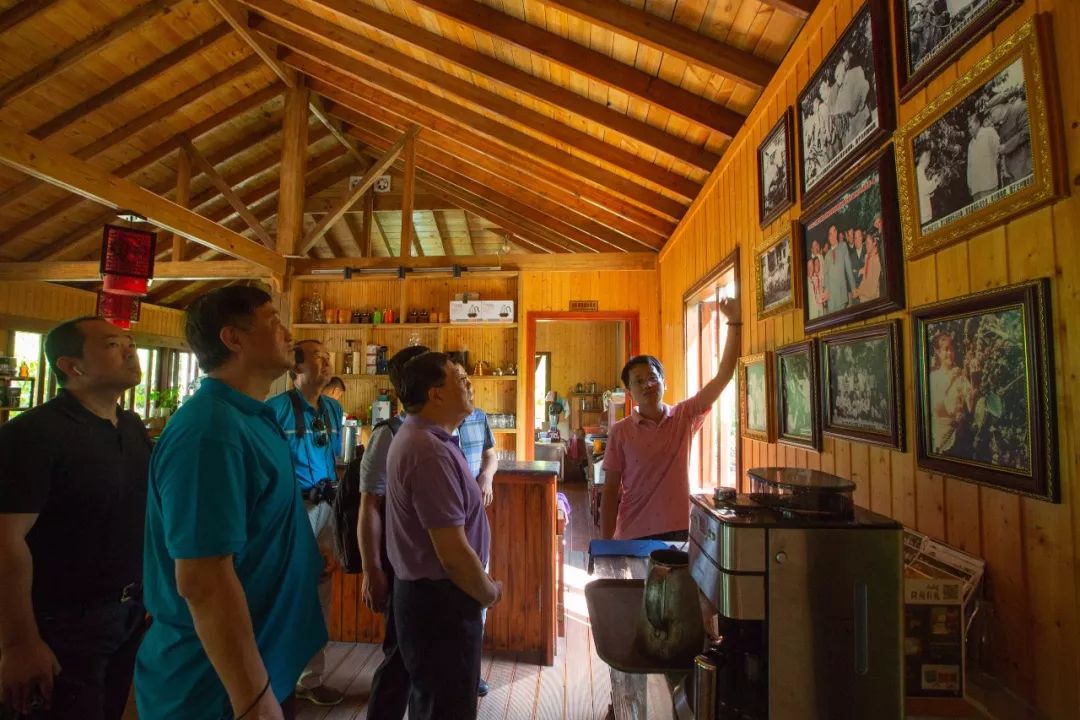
(670,627)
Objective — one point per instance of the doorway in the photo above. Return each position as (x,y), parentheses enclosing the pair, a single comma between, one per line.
(565,349)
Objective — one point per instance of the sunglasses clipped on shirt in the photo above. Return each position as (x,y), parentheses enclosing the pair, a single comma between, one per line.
(321,435)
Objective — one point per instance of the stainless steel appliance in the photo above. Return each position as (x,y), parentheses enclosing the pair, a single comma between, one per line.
(801,593)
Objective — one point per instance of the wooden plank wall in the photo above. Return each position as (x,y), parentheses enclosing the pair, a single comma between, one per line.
(1030,546)
(38,306)
(581,352)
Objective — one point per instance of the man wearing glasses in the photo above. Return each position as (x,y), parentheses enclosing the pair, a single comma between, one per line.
(312,424)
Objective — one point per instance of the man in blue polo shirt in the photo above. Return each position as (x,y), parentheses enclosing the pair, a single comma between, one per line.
(312,423)
(231,566)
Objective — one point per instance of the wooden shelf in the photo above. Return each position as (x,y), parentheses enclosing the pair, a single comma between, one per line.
(485,378)
(504,431)
(362,376)
(399,326)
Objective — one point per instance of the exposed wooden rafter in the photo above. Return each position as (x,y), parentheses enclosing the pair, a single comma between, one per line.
(45,71)
(441,232)
(558,199)
(294,129)
(25,154)
(508,110)
(355,193)
(237,18)
(365,225)
(796,8)
(508,76)
(227,192)
(673,39)
(590,63)
(148,118)
(457,122)
(381,202)
(183,196)
(21,11)
(518,261)
(408,187)
(468,232)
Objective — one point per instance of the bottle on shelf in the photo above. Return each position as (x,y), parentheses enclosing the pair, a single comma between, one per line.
(24,370)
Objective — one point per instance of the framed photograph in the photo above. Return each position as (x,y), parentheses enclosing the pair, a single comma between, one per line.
(931,35)
(984,386)
(987,149)
(846,109)
(756,416)
(798,419)
(776,170)
(777,282)
(854,266)
(862,385)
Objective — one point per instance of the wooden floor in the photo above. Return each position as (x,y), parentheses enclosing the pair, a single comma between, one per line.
(576,687)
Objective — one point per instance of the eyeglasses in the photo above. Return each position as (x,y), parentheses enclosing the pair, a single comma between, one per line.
(321,436)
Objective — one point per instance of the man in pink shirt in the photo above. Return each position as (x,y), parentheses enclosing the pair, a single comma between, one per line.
(646,466)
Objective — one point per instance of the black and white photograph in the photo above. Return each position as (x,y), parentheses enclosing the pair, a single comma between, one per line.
(987,149)
(776,170)
(774,270)
(983,377)
(847,105)
(932,33)
(852,251)
(861,388)
(977,154)
(797,395)
(756,416)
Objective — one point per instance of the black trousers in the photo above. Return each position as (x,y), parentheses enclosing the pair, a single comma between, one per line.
(390,686)
(96,649)
(439,634)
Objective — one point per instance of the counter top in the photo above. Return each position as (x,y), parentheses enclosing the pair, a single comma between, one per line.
(536,467)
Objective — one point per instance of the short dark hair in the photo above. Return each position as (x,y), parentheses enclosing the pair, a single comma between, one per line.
(65,340)
(418,376)
(298,355)
(234,305)
(397,362)
(336,382)
(641,360)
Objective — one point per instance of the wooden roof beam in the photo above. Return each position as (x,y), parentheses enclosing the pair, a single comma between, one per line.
(510,180)
(636,131)
(156,153)
(408,234)
(673,39)
(47,70)
(237,17)
(441,232)
(33,157)
(369,178)
(22,11)
(564,262)
(796,8)
(590,63)
(468,232)
(513,165)
(229,194)
(377,226)
(89,270)
(148,118)
(131,82)
(356,233)
(71,243)
(381,202)
(524,209)
(455,118)
(476,96)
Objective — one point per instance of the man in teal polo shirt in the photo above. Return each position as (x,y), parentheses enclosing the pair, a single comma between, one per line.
(312,423)
(231,566)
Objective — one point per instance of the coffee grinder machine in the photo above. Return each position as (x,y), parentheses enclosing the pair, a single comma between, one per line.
(802,602)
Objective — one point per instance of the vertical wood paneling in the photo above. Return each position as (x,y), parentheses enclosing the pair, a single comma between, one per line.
(1030,546)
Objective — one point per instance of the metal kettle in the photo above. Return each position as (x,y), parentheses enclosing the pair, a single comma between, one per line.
(670,627)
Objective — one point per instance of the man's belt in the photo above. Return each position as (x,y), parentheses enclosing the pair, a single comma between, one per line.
(322,491)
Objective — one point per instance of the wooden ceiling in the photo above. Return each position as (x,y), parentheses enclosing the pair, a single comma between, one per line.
(542,126)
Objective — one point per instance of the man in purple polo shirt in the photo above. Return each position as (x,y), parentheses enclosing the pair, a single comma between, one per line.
(437,539)
(646,475)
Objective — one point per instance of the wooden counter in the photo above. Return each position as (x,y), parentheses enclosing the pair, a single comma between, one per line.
(523,557)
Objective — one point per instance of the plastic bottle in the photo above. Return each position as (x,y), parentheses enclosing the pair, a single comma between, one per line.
(24,370)
(377,317)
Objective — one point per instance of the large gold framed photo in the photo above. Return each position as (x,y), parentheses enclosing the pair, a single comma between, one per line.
(985,150)
(776,273)
(757,416)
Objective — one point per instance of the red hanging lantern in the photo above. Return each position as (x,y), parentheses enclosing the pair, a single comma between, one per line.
(127,259)
(120,310)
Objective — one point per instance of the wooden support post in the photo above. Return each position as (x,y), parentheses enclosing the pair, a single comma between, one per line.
(230,195)
(408,188)
(290,217)
(366,225)
(183,197)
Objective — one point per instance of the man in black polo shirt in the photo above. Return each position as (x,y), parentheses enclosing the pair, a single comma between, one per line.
(72,504)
